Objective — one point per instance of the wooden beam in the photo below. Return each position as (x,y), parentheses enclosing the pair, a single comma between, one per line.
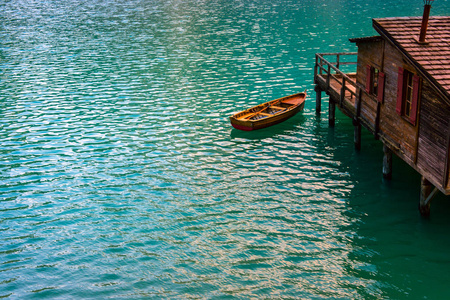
(431,196)
(342,95)
(331,112)
(315,68)
(358,105)
(328,77)
(387,162)
(425,196)
(356,120)
(376,130)
(447,161)
(357,138)
(318,99)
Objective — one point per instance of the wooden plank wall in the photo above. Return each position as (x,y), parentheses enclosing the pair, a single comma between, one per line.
(392,125)
(433,133)
(423,145)
(397,130)
(368,54)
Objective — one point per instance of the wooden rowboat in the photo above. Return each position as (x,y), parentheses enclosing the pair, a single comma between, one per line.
(269,113)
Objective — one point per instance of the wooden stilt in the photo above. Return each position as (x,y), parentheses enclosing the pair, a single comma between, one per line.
(427,194)
(387,162)
(425,191)
(331,112)
(318,99)
(357,138)
(377,122)
(356,121)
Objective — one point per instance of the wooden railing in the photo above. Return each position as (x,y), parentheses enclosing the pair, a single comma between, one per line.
(332,71)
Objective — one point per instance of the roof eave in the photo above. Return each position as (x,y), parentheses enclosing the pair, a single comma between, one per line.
(375,38)
(385,34)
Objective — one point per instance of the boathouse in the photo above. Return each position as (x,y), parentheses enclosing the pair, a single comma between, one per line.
(400,92)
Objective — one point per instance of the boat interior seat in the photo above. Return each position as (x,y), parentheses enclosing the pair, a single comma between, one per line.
(277,107)
(290,101)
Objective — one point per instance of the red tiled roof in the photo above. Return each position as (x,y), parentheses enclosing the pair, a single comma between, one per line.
(433,57)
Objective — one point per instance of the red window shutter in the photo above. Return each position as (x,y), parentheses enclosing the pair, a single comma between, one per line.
(368,78)
(415,99)
(398,108)
(380,87)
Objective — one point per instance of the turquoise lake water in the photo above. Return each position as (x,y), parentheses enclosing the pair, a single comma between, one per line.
(121,177)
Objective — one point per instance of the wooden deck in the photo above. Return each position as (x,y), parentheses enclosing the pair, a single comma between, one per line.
(340,86)
(343,95)
(337,78)
(347,94)
(412,122)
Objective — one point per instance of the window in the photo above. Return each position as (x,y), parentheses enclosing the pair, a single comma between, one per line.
(375,73)
(408,77)
(407,95)
(375,82)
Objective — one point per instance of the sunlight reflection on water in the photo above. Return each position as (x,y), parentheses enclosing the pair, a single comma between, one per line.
(119,169)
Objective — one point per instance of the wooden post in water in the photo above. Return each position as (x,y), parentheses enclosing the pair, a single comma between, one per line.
(356,122)
(425,191)
(377,122)
(427,194)
(318,99)
(387,162)
(357,139)
(331,112)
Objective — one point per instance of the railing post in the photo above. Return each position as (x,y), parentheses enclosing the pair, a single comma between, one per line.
(315,68)
(320,66)
(328,76)
(337,62)
(320,71)
(356,122)
(341,98)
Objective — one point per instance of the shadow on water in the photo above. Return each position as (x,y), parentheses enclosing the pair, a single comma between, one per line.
(292,124)
(397,252)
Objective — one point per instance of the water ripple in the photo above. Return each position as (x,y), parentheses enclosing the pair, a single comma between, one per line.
(120,171)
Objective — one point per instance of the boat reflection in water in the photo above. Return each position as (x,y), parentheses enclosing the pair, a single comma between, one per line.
(269,113)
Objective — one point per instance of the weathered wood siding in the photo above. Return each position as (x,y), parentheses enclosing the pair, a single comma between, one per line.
(433,132)
(423,145)
(392,127)
(368,54)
